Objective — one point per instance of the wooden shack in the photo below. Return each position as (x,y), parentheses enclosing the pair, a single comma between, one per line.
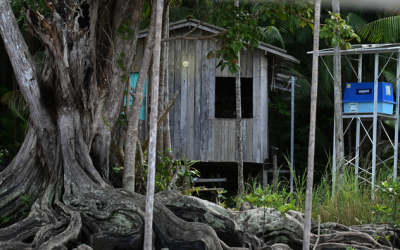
(202,121)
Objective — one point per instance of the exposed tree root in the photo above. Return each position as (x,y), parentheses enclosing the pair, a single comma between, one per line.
(79,211)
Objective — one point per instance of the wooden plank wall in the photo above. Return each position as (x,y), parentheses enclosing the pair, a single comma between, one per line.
(246,63)
(195,131)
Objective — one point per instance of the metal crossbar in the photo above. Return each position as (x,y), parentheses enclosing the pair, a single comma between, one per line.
(348,126)
(386,134)
(364,180)
(350,161)
(386,64)
(367,132)
(327,67)
(364,135)
(387,57)
(385,161)
(351,66)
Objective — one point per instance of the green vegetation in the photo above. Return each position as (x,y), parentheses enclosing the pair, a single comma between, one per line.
(349,205)
(170,174)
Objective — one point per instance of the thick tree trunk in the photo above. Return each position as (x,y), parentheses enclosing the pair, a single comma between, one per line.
(311,144)
(73,105)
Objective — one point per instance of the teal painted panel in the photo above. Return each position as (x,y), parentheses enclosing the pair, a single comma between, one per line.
(134,78)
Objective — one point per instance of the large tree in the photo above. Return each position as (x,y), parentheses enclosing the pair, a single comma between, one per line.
(55,192)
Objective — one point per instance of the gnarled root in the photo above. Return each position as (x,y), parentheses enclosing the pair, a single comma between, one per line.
(75,209)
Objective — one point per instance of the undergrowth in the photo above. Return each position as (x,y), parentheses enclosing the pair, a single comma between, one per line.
(350,204)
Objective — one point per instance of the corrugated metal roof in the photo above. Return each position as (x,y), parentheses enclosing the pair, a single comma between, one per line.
(363,49)
(215,29)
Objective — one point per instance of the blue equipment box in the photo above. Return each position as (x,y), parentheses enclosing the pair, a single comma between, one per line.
(359,98)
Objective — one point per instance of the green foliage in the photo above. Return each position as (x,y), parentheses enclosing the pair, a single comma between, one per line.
(338,32)
(27,200)
(4,220)
(384,214)
(243,28)
(117,169)
(38,58)
(348,204)
(37,6)
(382,30)
(220,196)
(269,34)
(3,153)
(281,106)
(175,173)
(260,196)
(355,21)
(13,121)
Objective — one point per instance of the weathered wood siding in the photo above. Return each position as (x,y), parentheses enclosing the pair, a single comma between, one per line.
(195,132)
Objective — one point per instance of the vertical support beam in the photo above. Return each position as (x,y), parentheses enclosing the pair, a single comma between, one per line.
(265,175)
(292,138)
(375,122)
(359,70)
(359,79)
(396,128)
(357,149)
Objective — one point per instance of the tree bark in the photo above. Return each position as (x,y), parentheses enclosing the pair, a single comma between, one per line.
(239,132)
(132,132)
(337,88)
(79,93)
(163,72)
(311,144)
(155,80)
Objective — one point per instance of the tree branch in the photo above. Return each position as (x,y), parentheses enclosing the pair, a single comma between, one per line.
(28,78)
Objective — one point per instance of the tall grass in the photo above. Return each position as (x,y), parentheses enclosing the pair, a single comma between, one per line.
(349,204)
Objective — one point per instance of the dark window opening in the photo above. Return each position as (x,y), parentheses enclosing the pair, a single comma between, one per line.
(225,97)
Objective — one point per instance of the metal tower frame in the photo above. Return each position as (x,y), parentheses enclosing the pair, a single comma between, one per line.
(360,118)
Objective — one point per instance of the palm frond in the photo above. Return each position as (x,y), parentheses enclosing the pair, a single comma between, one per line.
(355,21)
(270,34)
(179,13)
(303,35)
(174,3)
(390,77)
(325,80)
(15,112)
(382,30)
(15,99)
(38,58)
(323,98)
